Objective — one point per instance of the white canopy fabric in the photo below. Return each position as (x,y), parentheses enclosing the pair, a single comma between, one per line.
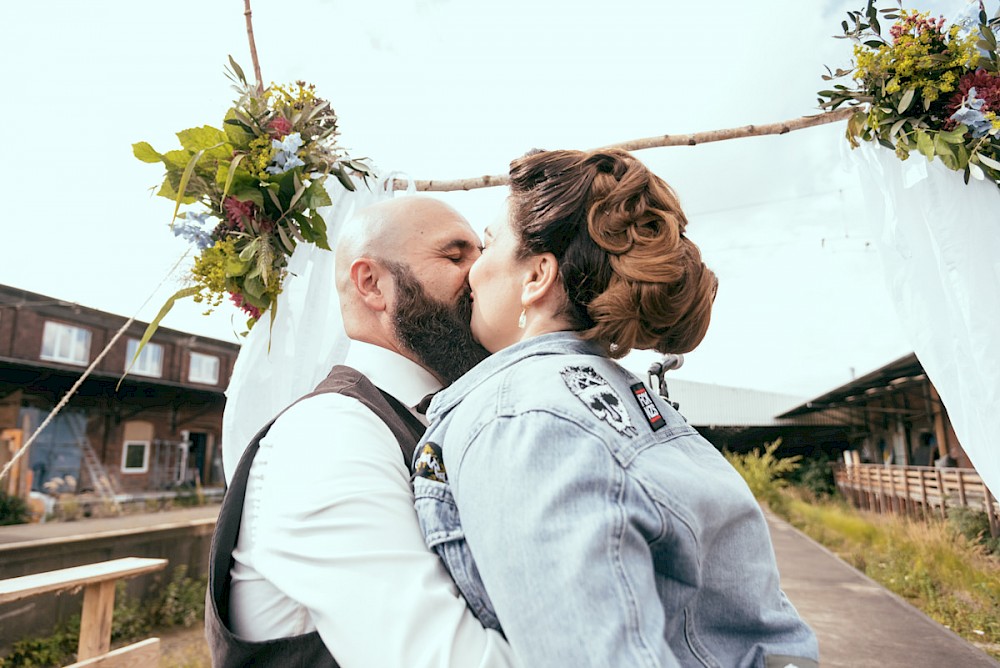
(939,240)
(307,339)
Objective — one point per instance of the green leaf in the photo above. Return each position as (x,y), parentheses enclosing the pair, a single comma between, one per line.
(287,243)
(274,199)
(897,126)
(293,227)
(946,152)
(956,136)
(989,162)
(248,193)
(185,177)
(343,178)
(316,196)
(906,100)
(203,138)
(238,132)
(152,327)
(233,166)
(235,267)
(254,287)
(237,69)
(305,227)
(319,227)
(176,160)
(145,152)
(925,144)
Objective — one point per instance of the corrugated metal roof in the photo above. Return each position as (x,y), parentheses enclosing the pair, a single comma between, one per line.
(707,405)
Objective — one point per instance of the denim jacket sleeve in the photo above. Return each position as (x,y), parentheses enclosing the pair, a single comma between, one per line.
(546,511)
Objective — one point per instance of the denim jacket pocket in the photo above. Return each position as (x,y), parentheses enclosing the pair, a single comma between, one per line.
(443,533)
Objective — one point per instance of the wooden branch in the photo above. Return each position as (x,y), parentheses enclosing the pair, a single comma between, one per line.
(253,46)
(651,142)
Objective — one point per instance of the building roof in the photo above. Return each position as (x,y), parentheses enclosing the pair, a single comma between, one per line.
(893,375)
(14,297)
(707,405)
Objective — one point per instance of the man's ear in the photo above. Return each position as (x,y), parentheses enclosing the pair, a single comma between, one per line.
(541,279)
(369,281)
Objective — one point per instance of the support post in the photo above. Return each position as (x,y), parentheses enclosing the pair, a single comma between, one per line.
(95,622)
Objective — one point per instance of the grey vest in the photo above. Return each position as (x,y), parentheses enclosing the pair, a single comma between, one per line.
(307,650)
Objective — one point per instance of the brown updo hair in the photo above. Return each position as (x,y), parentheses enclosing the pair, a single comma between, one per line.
(633,280)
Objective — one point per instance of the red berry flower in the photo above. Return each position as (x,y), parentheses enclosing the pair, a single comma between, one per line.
(278,127)
(987,89)
(237,212)
(246,307)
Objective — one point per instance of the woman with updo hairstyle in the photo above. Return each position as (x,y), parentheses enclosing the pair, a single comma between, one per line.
(577,512)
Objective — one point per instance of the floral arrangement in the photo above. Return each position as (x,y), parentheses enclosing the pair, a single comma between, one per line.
(929,87)
(258,183)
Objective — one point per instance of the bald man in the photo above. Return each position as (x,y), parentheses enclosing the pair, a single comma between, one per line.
(318,558)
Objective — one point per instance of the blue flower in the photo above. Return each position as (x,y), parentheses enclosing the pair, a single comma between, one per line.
(970,113)
(192,229)
(287,154)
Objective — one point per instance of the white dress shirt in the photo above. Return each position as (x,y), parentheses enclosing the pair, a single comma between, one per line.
(329,538)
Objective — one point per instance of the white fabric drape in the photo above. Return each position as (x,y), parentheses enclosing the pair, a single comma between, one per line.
(308,336)
(939,240)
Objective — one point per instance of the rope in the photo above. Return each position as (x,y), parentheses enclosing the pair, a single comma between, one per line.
(62,403)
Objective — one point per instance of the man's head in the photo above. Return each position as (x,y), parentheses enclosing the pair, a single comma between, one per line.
(402,278)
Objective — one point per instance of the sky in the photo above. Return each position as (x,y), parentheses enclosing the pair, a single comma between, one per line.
(447,89)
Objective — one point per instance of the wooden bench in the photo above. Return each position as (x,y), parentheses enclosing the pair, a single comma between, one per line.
(98,582)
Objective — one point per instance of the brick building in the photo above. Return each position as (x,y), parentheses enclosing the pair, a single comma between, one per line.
(896,414)
(159,429)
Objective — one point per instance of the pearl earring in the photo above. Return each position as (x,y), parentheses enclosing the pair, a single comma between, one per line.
(522,321)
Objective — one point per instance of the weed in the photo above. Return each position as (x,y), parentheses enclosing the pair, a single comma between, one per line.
(946,575)
(764,473)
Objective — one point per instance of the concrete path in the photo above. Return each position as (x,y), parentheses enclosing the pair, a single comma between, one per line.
(859,623)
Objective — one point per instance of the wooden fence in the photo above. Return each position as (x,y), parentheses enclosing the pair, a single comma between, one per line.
(916,490)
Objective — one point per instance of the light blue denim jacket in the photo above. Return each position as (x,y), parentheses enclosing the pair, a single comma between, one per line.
(597,527)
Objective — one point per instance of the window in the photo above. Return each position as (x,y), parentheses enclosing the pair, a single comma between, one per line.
(65,343)
(204,369)
(135,457)
(150,362)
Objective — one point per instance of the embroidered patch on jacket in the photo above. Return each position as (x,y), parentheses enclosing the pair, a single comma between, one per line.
(649,408)
(430,463)
(594,391)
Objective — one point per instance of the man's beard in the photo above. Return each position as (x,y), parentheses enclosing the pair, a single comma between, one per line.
(439,334)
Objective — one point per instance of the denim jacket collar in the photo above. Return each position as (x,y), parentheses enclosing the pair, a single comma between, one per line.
(556,343)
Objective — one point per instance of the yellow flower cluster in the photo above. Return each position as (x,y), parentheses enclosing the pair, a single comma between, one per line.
(210,274)
(915,61)
(259,157)
(293,95)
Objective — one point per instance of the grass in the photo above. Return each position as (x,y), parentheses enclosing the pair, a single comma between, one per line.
(952,579)
(943,568)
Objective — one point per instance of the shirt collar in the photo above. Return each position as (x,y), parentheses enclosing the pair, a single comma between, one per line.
(389,371)
(556,343)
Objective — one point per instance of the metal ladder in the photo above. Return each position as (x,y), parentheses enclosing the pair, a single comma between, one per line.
(97,473)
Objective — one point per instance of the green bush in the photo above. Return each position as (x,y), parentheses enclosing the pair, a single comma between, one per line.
(815,475)
(974,525)
(13,509)
(765,473)
(182,602)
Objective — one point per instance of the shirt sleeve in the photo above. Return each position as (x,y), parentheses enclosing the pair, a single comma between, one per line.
(338,534)
(546,514)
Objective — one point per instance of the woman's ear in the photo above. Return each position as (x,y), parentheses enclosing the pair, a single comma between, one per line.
(541,279)
(368,280)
